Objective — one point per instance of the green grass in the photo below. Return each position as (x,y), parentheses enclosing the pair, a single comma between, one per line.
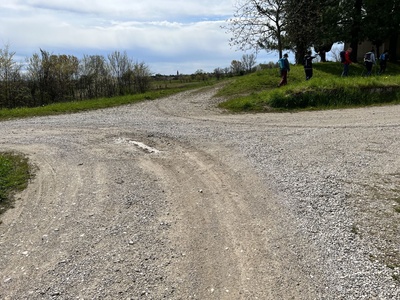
(258,92)
(15,173)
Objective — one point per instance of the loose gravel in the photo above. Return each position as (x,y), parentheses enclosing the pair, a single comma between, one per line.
(109,215)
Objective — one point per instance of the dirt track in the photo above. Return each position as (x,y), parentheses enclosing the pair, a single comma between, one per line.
(174,199)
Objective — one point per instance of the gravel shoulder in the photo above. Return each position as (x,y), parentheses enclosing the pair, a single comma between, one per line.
(175,199)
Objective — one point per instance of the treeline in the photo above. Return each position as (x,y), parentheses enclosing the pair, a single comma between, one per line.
(299,25)
(47,78)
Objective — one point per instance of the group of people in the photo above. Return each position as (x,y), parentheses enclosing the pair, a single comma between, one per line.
(369,61)
(284,67)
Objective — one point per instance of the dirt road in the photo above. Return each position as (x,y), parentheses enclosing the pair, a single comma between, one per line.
(175,199)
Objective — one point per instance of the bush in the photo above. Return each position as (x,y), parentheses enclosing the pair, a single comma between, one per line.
(334,98)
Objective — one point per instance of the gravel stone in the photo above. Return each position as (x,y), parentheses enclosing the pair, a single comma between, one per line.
(176,199)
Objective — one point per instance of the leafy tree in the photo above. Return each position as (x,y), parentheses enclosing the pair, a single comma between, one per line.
(356,33)
(301,20)
(393,14)
(381,22)
(350,29)
(373,20)
(327,27)
(312,23)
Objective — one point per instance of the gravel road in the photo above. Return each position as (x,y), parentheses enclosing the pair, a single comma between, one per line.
(176,199)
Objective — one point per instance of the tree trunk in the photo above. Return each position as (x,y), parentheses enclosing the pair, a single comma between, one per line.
(393,46)
(355,29)
(300,53)
(322,56)
(321,50)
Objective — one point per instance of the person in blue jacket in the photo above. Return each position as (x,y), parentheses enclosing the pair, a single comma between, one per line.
(284,69)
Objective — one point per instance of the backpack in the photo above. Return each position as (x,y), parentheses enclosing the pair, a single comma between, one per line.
(342,56)
(281,63)
(367,57)
(383,56)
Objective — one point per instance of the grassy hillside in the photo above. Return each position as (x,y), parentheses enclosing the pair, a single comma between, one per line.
(259,92)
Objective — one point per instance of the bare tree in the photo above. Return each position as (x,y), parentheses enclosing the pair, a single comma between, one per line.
(236,67)
(119,64)
(34,76)
(94,77)
(258,25)
(248,62)
(9,77)
(218,72)
(57,75)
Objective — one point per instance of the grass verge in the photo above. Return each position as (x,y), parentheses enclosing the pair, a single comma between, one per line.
(92,104)
(15,173)
(258,92)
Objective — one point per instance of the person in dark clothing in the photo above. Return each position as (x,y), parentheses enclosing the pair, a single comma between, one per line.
(382,61)
(284,69)
(307,62)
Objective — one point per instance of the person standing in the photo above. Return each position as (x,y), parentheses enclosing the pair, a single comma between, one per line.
(369,61)
(382,61)
(307,62)
(284,69)
(346,62)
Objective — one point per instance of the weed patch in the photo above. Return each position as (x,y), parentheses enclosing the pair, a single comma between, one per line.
(15,173)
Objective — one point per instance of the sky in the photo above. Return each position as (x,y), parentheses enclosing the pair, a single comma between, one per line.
(169,36)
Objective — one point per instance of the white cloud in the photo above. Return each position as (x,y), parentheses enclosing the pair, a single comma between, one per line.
(163,34)
(128,9)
